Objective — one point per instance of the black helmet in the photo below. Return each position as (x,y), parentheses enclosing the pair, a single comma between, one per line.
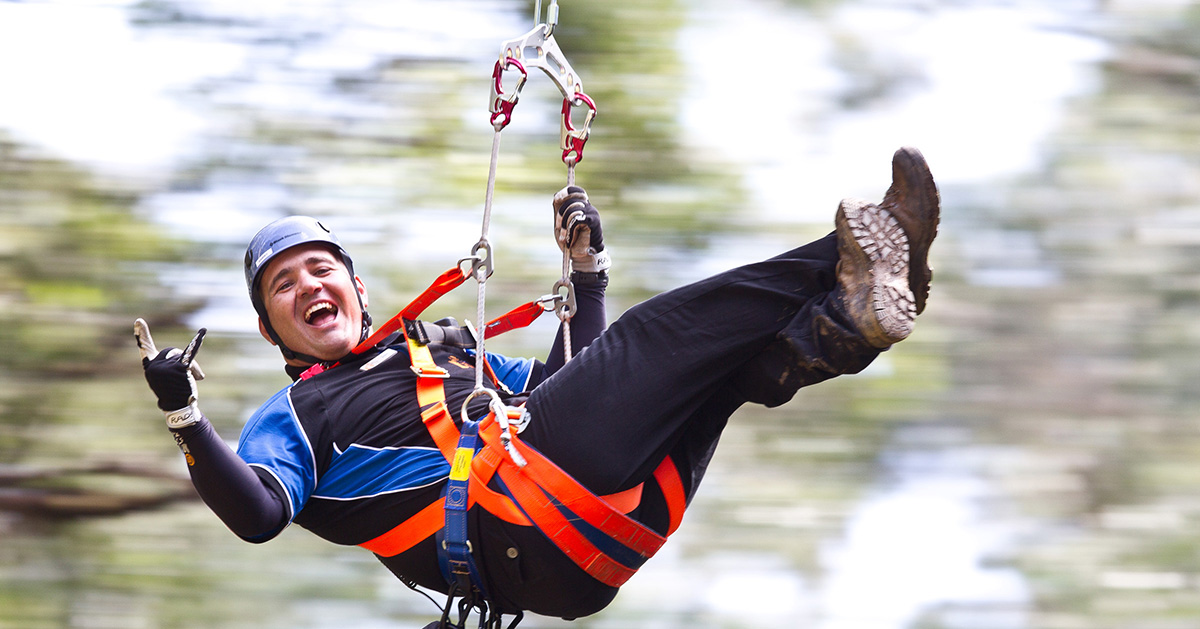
(276,238)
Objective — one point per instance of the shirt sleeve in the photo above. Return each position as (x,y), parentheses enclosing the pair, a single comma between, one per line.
(275,442)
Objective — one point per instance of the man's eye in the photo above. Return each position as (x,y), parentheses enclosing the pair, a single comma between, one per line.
(323,271)
(282,286)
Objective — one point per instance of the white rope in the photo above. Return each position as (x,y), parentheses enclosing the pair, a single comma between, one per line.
(480,268)
(564,311)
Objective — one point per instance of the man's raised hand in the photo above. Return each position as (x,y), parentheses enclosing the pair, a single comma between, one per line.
(172,374)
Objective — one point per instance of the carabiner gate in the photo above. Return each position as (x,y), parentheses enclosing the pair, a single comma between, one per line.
(502,106)
(573,139)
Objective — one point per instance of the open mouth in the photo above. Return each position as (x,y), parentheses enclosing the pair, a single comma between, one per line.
(320,313)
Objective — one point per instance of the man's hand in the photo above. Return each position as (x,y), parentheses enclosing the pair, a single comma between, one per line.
(577,230)
(172,374)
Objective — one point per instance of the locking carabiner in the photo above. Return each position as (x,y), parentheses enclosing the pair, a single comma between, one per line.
(500,411)
(502,105)
(573,139)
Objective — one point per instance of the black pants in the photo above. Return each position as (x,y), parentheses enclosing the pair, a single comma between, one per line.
(664,380)
(672,369)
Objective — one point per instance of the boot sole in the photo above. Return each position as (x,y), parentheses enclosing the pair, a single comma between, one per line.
(884,244)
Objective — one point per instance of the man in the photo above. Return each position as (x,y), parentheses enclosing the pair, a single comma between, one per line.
(344,451)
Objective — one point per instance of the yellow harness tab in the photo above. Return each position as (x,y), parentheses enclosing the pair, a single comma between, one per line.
(461,468)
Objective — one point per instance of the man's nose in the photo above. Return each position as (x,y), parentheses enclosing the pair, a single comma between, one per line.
(309,284)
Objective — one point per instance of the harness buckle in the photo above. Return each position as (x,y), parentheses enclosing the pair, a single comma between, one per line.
(430,372)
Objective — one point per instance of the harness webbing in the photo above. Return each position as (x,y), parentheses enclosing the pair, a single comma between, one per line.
(593,531)
(458,565)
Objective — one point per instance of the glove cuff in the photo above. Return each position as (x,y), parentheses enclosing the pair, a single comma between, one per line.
(183,417)
(592,262)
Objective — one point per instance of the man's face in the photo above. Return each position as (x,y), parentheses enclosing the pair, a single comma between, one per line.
(312,302)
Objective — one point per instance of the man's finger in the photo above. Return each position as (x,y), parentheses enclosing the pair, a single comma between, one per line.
(141,331)
(189,354)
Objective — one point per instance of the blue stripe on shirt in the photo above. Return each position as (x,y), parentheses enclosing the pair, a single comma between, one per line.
(513,372)
(362,472)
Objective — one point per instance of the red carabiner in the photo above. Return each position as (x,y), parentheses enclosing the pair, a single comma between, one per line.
(502,105)
(572,139)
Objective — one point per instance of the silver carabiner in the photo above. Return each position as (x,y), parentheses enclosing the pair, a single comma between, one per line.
(500,412)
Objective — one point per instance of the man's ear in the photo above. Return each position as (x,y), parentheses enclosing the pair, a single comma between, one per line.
(262,329)
(362,290)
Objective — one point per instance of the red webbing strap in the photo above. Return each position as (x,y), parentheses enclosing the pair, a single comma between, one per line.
(565,536)
(431,519)
(625,501)
(444,283)
(518,317)
(606,513)
(671,485)
(431,396)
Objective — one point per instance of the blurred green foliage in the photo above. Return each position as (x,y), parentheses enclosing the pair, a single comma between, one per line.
(76,266)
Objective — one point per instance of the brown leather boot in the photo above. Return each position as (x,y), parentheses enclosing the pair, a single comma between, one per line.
(913,199)
(873,272)
(883,267)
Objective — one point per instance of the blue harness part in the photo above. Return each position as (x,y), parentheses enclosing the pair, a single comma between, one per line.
(454,553)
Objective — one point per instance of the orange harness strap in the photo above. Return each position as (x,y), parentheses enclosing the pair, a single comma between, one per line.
(542,494)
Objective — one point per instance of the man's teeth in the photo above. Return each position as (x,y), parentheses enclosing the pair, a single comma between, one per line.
(315,308)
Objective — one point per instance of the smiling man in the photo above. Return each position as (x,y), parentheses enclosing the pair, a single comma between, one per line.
(356,449)
(307,296)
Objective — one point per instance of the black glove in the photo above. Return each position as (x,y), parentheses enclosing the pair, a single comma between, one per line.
(577,230)
(172,375)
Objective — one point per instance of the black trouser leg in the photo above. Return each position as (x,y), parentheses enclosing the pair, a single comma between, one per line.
(675,363)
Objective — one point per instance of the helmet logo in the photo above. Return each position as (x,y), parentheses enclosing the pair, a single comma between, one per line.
(266,254)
